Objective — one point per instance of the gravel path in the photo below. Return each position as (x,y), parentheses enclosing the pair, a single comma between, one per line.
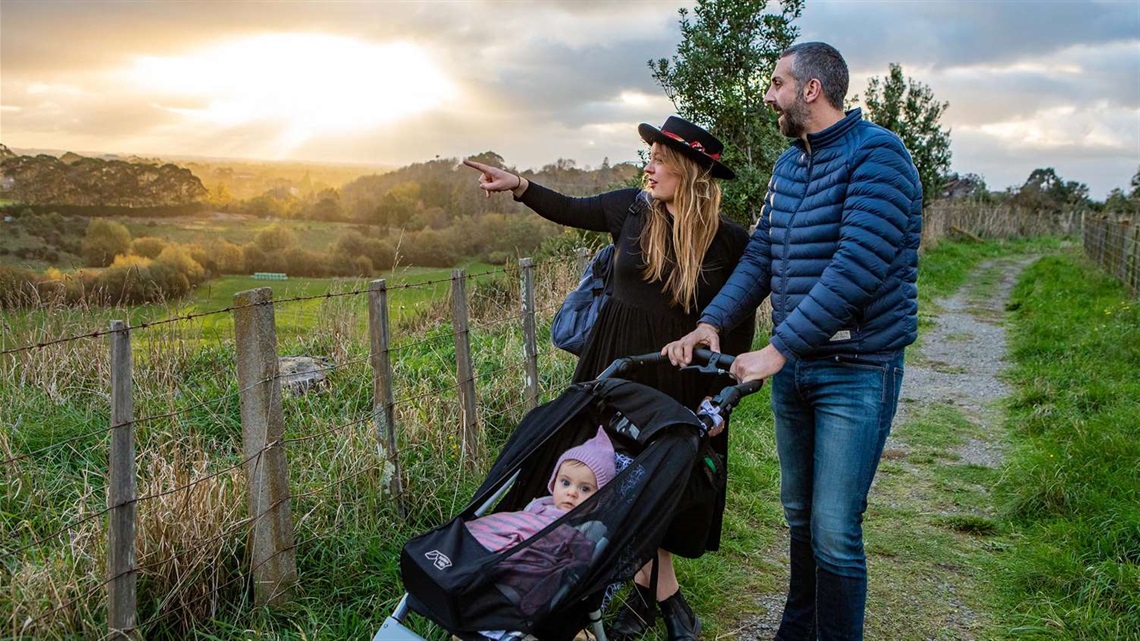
(958,361)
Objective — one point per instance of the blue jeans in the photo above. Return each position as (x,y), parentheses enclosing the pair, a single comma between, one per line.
(832,418)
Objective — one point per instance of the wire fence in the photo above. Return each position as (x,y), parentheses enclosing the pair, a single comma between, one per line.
(964,219)
(176,477)
(1114,244)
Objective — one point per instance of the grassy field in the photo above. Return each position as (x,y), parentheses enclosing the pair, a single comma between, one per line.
(238,229)
(413,290)
(1061,562)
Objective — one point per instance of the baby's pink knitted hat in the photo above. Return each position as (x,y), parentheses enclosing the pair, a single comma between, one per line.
(596,453)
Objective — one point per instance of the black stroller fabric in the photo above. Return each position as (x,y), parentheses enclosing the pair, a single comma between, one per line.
(456,582)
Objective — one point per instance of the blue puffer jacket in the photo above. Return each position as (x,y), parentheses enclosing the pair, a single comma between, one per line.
(836,247)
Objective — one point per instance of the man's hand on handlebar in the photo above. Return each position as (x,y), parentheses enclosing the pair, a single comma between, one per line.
(758,365)
(680,352)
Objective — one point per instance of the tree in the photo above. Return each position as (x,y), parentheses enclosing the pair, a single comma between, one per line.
(908,108)
(1044,190)
(970,186)
(1119,203)
(104,240)
(328,205)
(718,79)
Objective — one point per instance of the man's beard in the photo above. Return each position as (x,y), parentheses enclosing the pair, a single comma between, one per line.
(794,119)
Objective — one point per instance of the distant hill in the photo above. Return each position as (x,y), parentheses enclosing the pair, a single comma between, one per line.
(78,181)
(437,191)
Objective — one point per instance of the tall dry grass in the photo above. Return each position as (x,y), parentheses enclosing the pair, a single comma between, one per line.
(988,220)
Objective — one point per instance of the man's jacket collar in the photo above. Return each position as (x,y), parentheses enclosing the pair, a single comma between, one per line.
(821,139)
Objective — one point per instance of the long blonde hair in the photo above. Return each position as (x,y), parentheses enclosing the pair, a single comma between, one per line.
(674,245)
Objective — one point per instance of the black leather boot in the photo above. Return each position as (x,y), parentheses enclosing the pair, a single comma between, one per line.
(681,622)
(637,615)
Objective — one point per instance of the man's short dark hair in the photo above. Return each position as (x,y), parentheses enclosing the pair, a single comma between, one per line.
(821,61)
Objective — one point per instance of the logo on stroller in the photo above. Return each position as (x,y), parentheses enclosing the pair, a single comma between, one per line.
(439,559)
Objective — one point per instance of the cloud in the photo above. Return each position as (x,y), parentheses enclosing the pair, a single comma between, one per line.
(944,33)
(1029,84)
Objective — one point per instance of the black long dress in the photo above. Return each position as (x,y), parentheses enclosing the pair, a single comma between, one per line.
(639,318)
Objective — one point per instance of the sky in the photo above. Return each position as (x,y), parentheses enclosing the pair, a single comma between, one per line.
(389,82)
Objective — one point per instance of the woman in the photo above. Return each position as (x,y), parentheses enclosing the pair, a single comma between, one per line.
(674,252)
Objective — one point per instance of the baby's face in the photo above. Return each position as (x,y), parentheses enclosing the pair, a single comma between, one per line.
(573,484)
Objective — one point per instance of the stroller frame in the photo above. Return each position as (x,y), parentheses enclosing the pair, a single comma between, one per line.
(393,628)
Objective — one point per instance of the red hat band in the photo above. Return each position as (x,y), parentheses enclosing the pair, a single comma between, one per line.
(695,144)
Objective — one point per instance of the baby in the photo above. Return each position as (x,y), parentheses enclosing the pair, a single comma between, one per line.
(535,577)
(579,472)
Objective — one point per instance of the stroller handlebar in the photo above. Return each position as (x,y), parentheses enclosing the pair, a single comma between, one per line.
(704,360)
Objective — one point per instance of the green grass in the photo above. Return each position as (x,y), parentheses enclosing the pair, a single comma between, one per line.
(1073,484)
(949,266)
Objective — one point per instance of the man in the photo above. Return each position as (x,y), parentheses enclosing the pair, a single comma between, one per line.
(837,249)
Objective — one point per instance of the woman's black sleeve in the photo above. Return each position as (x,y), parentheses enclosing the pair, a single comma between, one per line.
(604,212)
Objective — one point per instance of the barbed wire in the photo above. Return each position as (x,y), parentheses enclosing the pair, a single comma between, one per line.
(299,439)
(67,604)
(245,523)
(40,541)
(139,499)
(231,308)
(144,419)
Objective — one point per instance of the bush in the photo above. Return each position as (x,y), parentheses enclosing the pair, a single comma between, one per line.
(275,239)
(304,262)
(203,258)
(104,240)
(254,259)
(382,253)
(179,259)
(228,258)
(363,266)
(148,246)
(123,283)
(429,248)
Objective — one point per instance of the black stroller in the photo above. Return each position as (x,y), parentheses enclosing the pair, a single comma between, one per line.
(458,584)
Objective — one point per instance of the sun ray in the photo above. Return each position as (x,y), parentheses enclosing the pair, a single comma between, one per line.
(303,85)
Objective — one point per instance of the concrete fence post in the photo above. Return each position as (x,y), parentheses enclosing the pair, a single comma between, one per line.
(273,557)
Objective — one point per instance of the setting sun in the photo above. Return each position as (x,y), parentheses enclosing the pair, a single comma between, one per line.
(298,85)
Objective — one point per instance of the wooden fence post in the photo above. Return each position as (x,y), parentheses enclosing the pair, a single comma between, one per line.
(122,576)
(383,407)
(464,372)
(273,557)
(530,342)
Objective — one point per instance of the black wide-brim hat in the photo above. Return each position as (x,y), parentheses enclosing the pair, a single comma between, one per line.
(691,141)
